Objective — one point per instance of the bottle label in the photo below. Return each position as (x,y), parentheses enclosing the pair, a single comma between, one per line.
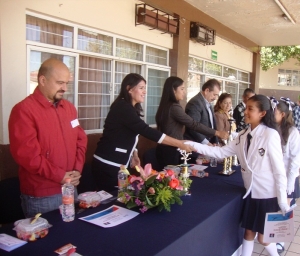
(67,199)
(122,183)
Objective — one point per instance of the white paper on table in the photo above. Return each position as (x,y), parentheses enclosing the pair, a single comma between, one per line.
(9,243)
(104,195)
(197,167)
(278,227)
(110,217)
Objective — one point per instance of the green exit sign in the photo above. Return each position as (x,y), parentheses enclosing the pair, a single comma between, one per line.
(214,55)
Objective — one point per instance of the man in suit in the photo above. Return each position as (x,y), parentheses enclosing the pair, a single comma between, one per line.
(200,109)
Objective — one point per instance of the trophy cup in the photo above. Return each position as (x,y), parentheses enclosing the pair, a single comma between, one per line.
(231,160)
(184,168)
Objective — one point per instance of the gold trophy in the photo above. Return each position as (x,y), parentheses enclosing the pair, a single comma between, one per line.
(231,160)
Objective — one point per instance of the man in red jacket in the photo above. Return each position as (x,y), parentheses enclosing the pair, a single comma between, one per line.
(46,140)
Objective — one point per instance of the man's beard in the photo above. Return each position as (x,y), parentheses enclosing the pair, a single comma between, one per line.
(58,99)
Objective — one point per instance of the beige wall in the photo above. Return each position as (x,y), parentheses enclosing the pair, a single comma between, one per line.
(268,79)
(113,16)
(228,54)
(117,18)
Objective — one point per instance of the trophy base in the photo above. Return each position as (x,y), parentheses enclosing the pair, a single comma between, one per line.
(227,173)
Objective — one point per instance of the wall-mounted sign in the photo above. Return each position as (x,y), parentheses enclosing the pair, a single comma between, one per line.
(214,55)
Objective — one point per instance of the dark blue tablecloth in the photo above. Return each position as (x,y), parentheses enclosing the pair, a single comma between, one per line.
(208,223)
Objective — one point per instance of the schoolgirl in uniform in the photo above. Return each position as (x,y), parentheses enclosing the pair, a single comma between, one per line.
(258,149)
(290,143)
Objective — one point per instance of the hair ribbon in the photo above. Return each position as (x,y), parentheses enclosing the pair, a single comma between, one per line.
(288,102)
(273,101)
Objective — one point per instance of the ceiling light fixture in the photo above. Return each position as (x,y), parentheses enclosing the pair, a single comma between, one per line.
(285,17)
(286,14)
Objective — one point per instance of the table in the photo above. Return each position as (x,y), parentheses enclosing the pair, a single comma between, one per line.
(208,223)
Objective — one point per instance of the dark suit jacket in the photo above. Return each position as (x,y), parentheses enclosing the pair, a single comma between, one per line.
(196,109)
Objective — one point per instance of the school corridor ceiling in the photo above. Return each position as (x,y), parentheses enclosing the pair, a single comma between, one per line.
(265,22)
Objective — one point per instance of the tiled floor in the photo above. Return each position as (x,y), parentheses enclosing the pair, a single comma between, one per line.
(291,249)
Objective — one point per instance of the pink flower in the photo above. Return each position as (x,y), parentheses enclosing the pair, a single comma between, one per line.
(170,172)
(151,190)
(138,180)
(174,183)
(145,172)
(137,201)
(179,187)
(143,209)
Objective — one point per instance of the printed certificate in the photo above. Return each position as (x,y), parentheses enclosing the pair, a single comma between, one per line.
(279,228)
(110,217)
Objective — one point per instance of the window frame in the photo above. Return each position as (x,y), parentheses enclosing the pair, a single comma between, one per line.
(220,78)
(74,52)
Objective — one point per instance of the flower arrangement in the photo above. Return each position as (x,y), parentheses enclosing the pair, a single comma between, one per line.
(154,189)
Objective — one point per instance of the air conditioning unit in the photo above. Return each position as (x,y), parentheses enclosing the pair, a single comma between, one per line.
(202,34)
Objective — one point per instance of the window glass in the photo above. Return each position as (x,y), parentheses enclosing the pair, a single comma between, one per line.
(48,32)
(242,87)
(243,76)
(156,56)
(195,64)
(155,83)
(94,83)
(288,77)
(230,73)
(94,42)
(194,84)
(232,88)
(121,70)
(295,80)
(213,69)
(129,50)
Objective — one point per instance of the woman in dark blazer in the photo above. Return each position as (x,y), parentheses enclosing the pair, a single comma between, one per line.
(122,127)
(171,120)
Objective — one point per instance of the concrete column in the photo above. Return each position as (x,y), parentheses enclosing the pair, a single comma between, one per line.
(179,55)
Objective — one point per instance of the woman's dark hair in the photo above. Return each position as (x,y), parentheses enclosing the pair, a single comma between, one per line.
(130,81)
(221,98)
(286,122)
(167,99)
(263,104)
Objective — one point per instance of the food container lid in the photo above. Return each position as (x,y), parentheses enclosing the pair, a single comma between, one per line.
(174,168)
(25,226)
(89,197)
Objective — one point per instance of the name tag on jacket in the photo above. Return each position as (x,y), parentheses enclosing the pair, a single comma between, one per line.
(74,123)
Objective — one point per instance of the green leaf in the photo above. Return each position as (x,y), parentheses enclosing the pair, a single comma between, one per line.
(148,201)
(274,55)
(150,180)
(131,204)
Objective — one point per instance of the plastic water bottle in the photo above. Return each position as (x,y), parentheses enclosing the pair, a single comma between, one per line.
(68,209)
(122,180)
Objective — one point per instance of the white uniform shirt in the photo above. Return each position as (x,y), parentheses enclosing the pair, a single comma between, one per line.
(262,169)
(291,155)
